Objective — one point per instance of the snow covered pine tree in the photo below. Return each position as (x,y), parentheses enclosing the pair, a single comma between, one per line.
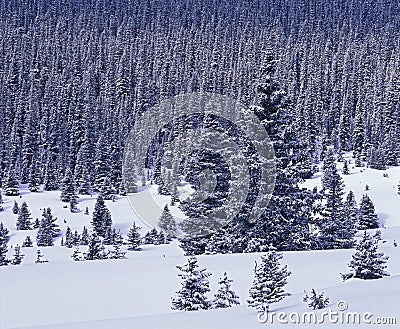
(367,263)
(269,282)
(225,296)
(195,285)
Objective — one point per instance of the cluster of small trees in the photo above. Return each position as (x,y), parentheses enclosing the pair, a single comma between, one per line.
(4,238)
(47,227)
(270,279)
(195,286)
(103,233)
(96,244)
(97,251)
(340,219)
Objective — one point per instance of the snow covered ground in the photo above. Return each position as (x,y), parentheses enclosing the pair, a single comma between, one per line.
(136,292)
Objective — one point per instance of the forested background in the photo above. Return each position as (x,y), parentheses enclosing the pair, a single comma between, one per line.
(73,74)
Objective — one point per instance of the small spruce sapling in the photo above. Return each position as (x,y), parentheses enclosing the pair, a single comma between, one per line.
(27,242)
(133,239)
(117,253)
(15,208)
(17,258)
(316,301)
(76,256)
(225,296)
(84,237)
(39,258)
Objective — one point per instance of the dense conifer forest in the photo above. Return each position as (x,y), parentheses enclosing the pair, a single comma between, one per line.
(73,74)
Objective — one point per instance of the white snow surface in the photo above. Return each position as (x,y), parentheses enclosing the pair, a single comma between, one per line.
(136,292)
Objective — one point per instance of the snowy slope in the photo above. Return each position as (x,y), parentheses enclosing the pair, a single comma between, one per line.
(382,190)
(136,292)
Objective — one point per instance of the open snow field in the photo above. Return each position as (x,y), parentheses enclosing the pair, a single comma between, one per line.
(136,292)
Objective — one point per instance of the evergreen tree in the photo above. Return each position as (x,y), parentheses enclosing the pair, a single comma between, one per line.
(117,237)
(76,256)
(357,161)
(367,218)
(269,282)
(101,162)
(195,286)
(37,223)
(76,238)
(376,159)
(161,238)
(358,139)
(285,222)
(52,222)
(345,168)
(327,167)
(34,177)
(17,258)
(367,263)
(44,235)
(84,186)
(27,242)
(84,237)
(336,229)
(15,208)
(316,301)
(50,182)
(1,202)
(73,204)
(104,254)
(107,190)
(11,185)
(225,297)
(133,238)
(351,209)
(68,189)
(101,219)
(151,237)
(219,243)
(116,253)
(24,218)
(167,222)
(39,258)
(108,237)
(69,239)
(4,238)
(94,248)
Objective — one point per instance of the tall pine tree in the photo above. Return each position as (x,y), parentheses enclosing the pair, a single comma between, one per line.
(101,219)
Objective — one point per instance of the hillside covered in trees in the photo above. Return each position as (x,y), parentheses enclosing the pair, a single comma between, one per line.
(73,75)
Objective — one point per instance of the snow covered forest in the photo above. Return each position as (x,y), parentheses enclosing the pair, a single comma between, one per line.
(73,74)
(77,76)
